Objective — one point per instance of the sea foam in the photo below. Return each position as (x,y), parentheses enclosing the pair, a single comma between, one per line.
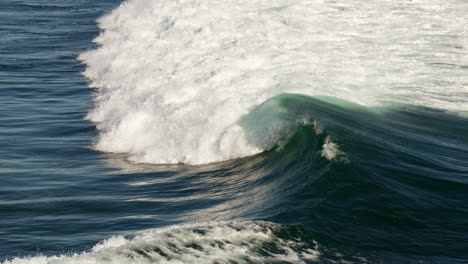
(174,78)
(214,242)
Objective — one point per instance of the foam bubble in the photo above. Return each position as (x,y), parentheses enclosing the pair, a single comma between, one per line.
(175,77)
(214,242)
(330,150)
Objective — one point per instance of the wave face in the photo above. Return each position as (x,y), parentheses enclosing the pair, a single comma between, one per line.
(174,79)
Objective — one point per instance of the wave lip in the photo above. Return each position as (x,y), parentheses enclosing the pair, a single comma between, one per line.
(213,242)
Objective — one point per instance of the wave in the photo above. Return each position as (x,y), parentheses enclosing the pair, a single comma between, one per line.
(174,79)
(340,183)
(393,172)
(214,242)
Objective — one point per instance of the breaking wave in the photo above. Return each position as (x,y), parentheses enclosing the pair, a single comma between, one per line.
(174,78)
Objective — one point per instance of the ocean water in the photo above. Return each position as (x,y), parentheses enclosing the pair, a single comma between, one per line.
(205,131)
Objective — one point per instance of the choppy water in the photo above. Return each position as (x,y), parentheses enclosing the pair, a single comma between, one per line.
(233,132)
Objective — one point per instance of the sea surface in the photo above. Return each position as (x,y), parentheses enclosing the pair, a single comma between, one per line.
(208,131)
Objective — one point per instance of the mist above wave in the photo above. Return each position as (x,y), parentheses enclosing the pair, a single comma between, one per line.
(175,77)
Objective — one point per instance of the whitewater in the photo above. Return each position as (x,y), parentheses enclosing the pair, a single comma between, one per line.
(215,242)
(174,79)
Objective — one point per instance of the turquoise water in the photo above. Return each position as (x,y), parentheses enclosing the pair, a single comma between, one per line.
(264,170)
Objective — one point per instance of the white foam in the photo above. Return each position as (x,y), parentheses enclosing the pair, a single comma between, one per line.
(318,127)
(330,150)
(175,77)
(214,242)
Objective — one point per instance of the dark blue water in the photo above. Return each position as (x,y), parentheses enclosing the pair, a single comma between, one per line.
(394,192)
(47,171)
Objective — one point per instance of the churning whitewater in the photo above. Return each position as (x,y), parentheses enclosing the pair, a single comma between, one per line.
(174,79)
(236,242)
